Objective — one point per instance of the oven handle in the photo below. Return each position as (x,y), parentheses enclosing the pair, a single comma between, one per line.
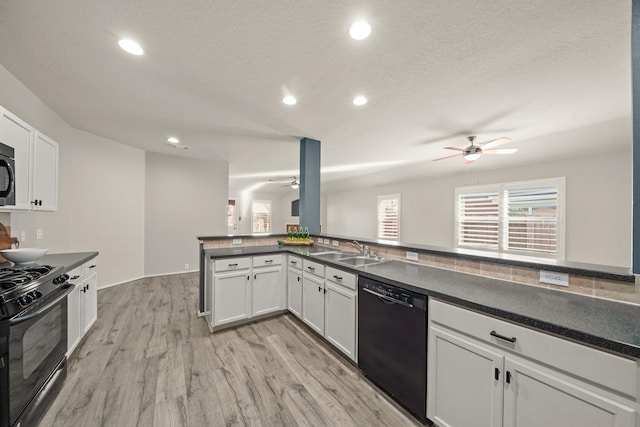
(384,297)
(18,320)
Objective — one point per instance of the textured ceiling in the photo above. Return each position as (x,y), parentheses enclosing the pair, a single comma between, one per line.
(214,73)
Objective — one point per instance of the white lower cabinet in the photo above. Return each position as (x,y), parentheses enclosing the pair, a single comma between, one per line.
(267,290)
(516,377)
(313,302)
(340,318)
(82,303)
(294,292)
(231,297)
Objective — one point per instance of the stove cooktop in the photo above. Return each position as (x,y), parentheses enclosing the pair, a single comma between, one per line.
(16,276)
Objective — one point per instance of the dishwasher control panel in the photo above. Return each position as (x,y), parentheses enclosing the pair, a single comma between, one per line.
(393,292)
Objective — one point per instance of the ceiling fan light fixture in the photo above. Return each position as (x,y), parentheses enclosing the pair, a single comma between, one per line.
(470,157)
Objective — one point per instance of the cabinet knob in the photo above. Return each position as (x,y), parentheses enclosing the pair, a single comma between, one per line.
(93,266)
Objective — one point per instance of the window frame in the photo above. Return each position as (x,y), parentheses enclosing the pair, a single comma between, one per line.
(503,219)
(398,197)
(270,222)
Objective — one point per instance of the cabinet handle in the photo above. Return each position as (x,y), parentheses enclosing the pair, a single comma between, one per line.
(298,278)
(37,202)
(319,289)
(255,277)
(502,337)
(248,277)
(268,261)
(325,290)
(294,262)
(337,277)
(75,277)
(311,268)
(233,265)
(508,377)
(496,374)
(92,266)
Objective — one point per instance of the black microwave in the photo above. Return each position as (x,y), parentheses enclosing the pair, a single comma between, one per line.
(7,176)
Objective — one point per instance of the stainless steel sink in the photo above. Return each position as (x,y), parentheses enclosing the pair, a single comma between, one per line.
(332,256)
(360,261)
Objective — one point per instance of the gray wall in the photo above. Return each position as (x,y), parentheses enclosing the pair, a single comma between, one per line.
(184,198)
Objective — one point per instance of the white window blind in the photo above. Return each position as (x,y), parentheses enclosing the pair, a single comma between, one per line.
(389,217)
(261,216)
(518,217)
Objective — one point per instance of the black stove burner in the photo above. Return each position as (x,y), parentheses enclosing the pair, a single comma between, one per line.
(16,276)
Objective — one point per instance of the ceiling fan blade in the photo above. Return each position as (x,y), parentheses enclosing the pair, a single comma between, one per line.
(447,157)
(454,148)
(466,162)
(495,143)
(500,151)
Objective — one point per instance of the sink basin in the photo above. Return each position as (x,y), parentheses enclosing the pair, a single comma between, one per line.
(360,261)
(331,256)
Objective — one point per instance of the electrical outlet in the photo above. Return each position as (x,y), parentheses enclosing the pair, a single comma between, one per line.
(554,278)
(23,236)
(412,256)
(336,243)
(237,241)
(186,266)
(39,234)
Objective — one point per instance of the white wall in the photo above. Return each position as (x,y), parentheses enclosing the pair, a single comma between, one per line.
(184,198)
(243,203)
(100,193)
(598,211)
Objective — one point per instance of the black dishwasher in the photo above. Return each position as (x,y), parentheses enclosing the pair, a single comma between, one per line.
(392,342)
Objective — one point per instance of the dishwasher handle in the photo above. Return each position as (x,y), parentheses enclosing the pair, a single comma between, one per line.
(386,298)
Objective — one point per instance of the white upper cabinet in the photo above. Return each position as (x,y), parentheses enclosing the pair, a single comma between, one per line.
(36,164)
(44,182)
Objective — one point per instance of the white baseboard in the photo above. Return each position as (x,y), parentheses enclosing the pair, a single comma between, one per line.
(146,277)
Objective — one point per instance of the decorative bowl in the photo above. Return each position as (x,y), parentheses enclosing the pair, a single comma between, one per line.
(23,255)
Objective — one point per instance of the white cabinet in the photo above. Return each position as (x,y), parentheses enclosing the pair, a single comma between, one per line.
(340,318)
(313,302)
(44,182)
(82,303)
(36,164)
(294,286)
(231,297)
(507,375)
(267,290)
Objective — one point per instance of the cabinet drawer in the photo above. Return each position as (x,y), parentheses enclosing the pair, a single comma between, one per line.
(89,267)
(606,369)
(75,275)
(267,260)
(313,268)
(295,262)
(232,264)
(341,277)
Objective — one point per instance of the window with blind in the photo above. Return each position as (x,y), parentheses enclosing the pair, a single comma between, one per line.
(261,216)
(517,217)
(389,217)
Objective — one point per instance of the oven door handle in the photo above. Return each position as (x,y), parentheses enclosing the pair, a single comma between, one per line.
(18,320)
(386,298)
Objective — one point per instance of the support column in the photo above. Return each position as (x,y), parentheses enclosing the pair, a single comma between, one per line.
(310,184)
(635,72)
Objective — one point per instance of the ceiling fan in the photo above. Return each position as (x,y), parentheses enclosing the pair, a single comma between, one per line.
(473,152)
(293,182)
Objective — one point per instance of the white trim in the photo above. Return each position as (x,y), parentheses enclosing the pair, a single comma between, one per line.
(146,277)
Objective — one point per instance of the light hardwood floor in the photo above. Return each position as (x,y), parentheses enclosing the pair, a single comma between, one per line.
(150,361)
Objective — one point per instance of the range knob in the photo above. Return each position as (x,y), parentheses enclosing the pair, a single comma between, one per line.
(35,294)
(61,279)
(25,300)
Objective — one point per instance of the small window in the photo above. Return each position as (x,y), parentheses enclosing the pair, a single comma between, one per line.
(389,217)
(517,217)
(231,213)
(261,216)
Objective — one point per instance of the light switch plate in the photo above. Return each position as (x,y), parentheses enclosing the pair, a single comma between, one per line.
(39,234)
(554,278)
(237,241)
(23,236)
(412,256)
(336,243)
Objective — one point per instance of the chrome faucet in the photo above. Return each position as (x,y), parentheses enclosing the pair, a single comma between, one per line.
(357,245)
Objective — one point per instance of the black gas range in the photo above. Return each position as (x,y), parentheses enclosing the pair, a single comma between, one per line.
(33,341)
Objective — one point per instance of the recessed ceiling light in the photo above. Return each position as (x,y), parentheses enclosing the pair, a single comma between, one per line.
(290,100)
(359,100)
(131,47)
(360,30)
(173,140)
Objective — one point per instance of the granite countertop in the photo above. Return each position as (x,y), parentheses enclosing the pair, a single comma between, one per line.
(69,261)
(609,325)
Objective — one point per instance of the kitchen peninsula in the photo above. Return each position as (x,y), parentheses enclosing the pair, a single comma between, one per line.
(590,343)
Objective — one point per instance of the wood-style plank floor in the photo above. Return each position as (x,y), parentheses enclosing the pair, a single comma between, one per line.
(150,361)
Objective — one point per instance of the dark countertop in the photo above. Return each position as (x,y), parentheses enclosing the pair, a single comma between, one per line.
(591,270)
(601,323)
(69,261)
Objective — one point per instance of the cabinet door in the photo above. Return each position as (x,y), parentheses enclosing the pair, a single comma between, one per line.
(267,290)
(231,297)
(74,319)
(18,135)
(89,302)
(465,382)
(313,302)
(294,291)
(340,318)
(534,397)
(45,173)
